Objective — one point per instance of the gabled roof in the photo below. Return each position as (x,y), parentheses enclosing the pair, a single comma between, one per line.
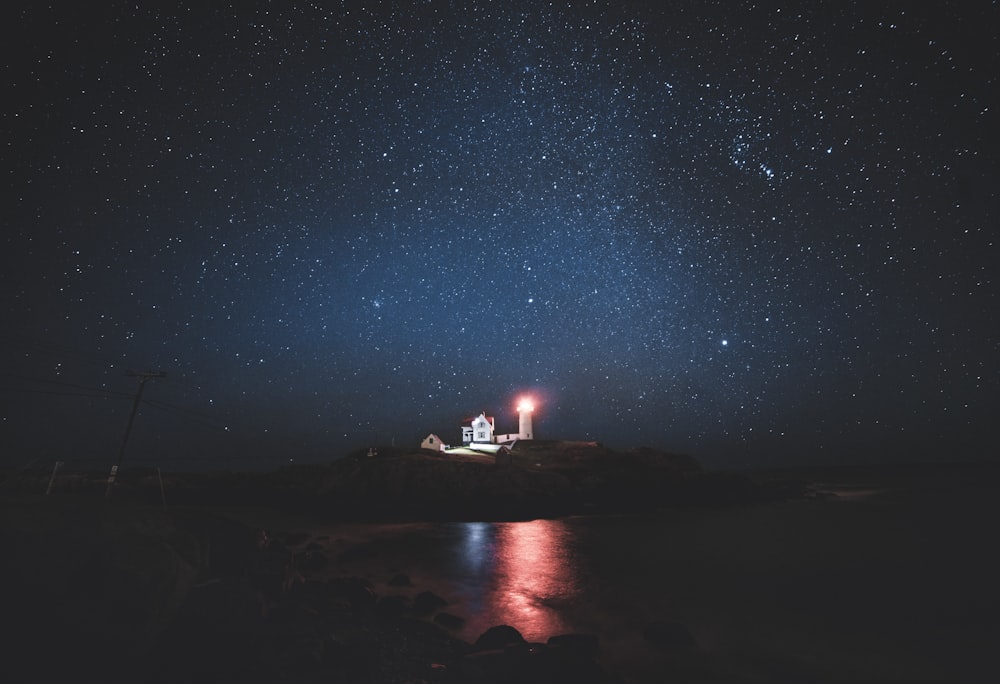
(468,421)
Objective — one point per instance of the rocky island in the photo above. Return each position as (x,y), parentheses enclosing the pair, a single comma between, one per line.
(534,479)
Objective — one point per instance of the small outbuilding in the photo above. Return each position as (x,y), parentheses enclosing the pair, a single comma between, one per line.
(433,442)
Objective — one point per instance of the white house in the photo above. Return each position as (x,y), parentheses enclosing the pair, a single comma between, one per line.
(479,430)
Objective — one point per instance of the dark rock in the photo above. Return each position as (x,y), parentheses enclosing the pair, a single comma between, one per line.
(484,667)
(229,605)
(565,665)
(431,638)
(399,650)
(320,597)
(586,645)
(503,457)
(540,663)
(356,591)
(187,546)
(301,652)
(144,580)
(668,635)
(294,612)
(409,648)
(524,649)
(449,621)
(355,553)
(272,570)
(312,561)
(427,602)
(529,663)
(392,606)
(355,650)
(215,632)
(225,546)
(498,637)
(295,538)
(309,590)
(400,579)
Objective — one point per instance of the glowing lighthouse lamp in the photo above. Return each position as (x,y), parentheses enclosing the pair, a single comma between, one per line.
(524,410)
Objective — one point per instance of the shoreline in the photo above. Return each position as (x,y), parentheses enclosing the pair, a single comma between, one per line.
(121,573)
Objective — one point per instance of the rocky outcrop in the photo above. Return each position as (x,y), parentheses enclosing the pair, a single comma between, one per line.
(434,488)
(498,637)
(129,593)
(339,629)
(502,655)
(542,479)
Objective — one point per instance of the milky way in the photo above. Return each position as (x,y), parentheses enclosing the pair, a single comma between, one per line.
(756,233)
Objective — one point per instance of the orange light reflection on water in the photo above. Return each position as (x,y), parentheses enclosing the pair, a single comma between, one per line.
(536,577)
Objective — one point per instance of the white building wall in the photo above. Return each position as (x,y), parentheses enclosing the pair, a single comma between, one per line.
(524,425)
(482,430)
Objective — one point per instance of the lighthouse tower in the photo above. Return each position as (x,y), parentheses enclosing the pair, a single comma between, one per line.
(524,410)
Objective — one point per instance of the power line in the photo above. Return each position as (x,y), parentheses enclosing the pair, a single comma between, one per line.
(195,416)
(88,394)
(65,384)
(143,379)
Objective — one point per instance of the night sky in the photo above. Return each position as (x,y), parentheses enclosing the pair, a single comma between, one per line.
(755,233)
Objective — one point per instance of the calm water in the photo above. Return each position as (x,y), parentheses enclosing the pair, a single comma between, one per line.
(876,586)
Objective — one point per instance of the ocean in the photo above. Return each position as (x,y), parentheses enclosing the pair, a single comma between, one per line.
(886,578)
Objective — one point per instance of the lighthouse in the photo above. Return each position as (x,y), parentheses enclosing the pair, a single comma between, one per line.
(524,410)
(477,433)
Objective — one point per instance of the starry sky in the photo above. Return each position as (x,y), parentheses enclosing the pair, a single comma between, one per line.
(757,233)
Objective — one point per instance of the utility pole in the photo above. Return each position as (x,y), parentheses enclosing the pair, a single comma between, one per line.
(143,379)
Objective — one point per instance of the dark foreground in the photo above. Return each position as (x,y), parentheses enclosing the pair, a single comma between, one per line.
(121,592)
(158,583)
(125,589)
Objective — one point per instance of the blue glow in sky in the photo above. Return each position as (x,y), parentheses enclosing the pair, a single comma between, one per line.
(754,233)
